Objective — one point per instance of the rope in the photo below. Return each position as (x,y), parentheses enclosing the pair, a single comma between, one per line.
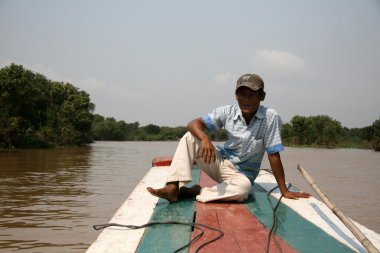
(202,231)
(192,224)
(274,225)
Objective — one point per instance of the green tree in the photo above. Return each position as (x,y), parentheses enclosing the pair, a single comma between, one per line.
(286,133)
(301,130)
(35,111)
(320,130)
(23,103)
(326,131)
(152,129)
(109,129)
(376,135)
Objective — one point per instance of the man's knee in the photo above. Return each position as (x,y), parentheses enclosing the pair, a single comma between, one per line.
(245,188)
(189,137)
(242,189)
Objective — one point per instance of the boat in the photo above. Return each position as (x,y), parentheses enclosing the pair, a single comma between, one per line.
(265,222)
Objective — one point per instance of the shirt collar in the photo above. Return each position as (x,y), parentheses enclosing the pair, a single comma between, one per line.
(238,113)
(259,114)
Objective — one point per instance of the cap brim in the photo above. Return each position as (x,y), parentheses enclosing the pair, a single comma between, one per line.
(252,86)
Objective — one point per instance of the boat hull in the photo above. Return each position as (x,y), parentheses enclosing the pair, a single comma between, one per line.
(304,225)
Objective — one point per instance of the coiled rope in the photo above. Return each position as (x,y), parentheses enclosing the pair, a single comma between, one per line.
(199,226)
(192,224)
(273,229)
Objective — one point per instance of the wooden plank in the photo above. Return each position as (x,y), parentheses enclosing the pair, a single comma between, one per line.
(243,232)
(293,228)
(312,216)
(346,221)
(168,238)
(136,210)
(209,216)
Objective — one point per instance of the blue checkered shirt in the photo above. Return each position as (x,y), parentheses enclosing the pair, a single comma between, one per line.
(246,145)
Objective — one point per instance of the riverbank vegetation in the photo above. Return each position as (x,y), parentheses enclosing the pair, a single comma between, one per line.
(37,112)
(312,131)
(323,131)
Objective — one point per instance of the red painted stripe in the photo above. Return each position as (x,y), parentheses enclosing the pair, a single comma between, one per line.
(242,231)
(163,161)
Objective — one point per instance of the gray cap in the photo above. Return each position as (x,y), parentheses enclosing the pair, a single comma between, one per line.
(252,81)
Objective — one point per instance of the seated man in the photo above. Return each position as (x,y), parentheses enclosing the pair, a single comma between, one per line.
(252,130)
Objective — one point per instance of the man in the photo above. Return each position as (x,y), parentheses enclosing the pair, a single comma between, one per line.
(252,130)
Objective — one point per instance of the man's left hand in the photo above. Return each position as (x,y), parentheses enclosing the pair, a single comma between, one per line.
(295,195)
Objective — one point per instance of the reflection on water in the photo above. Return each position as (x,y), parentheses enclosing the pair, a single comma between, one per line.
(51,198)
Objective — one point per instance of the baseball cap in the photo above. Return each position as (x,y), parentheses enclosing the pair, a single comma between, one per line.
(252,81)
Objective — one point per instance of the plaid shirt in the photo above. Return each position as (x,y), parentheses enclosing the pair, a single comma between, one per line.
(246,145)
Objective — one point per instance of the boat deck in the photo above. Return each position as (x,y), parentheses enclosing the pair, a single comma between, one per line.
(245,225)
(242,230)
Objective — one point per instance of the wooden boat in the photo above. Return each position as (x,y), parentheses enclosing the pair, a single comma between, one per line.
(305,225)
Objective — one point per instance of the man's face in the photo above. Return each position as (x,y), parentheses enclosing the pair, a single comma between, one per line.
(248,100)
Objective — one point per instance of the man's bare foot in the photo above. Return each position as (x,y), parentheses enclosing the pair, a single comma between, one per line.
(185,192)
(169,192)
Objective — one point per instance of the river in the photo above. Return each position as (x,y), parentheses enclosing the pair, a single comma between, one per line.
(50,198)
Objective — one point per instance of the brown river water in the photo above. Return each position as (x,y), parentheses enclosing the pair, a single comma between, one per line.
(51,198)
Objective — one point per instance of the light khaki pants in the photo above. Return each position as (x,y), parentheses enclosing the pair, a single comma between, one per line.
(232,185)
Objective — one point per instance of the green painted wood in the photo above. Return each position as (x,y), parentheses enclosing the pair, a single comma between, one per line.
(300,233)
(168,238)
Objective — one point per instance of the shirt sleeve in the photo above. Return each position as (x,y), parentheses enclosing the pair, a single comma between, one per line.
(272,139)
(217,118)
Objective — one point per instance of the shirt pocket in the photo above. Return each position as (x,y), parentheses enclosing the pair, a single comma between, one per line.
(256,146)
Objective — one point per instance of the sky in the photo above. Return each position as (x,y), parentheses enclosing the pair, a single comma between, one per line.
(166,62)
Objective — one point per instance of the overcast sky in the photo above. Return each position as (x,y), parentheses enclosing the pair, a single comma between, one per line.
(167,62)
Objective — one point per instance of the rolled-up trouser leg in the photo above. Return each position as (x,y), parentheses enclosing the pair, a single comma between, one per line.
(232,185)
(184,156)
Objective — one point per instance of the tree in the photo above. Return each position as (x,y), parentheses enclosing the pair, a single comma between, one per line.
(320,130)
(301,131)
(23,103)
(74,115)
(376,135)
(35,111)
(109,129)
(326,131)
(286,133)
(152,129)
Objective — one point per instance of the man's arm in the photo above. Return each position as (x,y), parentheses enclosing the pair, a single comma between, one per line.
(278,172)
(197,128)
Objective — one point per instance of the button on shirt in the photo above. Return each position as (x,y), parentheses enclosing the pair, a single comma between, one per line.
(246,144)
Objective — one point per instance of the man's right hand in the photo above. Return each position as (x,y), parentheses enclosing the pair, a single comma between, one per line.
(207,151)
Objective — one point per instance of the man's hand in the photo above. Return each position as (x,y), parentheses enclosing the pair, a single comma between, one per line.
(278,172)
(295,195)
(207,151)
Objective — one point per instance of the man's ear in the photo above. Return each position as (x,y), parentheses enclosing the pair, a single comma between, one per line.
(263,96)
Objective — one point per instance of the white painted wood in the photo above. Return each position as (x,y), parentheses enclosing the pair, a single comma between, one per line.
(136,210)
(318,213)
